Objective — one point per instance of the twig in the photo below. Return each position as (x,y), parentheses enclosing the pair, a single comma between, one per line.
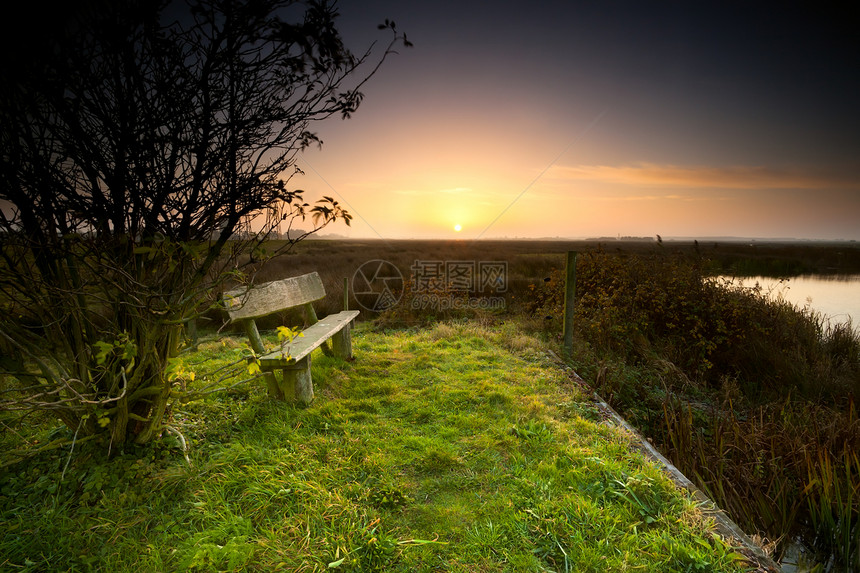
(179,435)
(197,394)
(72,449)
(49,446)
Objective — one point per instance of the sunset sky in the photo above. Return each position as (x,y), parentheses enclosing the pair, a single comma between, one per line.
(584,119)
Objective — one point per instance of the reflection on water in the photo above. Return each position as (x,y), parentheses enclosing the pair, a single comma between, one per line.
(796,560)
(837,297)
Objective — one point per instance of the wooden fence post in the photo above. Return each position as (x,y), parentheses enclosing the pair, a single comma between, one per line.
(569,299)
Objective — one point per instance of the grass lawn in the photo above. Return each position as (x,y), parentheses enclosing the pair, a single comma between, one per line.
(454,448)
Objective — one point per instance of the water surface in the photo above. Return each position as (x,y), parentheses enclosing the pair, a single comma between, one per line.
(837,297)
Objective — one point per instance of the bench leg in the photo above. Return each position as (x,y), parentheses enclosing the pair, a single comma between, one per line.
(275,391)
(297,384)
(342,343)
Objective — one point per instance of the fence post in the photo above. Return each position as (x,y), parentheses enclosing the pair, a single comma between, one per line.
(345,293)
(569,297)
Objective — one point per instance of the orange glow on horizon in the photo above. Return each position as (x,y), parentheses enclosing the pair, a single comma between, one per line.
(401,198)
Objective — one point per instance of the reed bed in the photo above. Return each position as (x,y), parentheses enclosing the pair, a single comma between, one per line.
(752,398)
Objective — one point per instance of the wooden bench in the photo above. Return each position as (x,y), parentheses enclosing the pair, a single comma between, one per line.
(294,359)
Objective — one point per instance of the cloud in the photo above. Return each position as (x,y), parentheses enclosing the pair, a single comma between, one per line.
(411,192)
(671,197)
(705,177)
(418,192)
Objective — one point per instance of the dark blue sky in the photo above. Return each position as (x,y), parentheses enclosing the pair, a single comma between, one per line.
(752,76)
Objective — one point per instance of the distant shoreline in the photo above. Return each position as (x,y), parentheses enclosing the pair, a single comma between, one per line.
(606,239)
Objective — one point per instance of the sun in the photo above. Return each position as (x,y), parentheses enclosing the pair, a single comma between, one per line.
(458,227)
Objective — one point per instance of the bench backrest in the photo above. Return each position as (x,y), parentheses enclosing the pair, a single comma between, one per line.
(268,298)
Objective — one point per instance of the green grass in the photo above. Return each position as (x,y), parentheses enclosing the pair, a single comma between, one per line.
(456,448)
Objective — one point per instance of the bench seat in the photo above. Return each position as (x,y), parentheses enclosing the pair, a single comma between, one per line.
(310,339)
(293,360)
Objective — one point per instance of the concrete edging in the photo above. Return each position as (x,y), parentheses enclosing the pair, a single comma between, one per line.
(724,524)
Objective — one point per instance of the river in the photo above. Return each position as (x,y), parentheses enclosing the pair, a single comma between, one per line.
(837,297)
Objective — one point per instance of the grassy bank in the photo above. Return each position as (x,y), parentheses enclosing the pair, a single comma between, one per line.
(454,448)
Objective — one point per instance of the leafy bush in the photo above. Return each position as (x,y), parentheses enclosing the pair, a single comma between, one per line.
(666,305)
